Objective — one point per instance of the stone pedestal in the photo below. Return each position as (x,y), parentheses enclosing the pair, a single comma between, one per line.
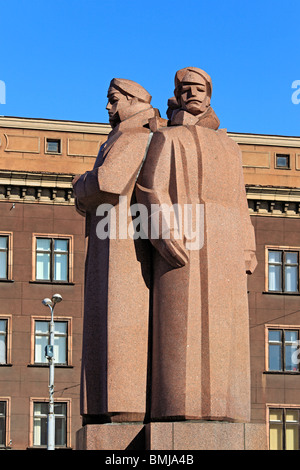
(112,436)
(177,435)
(206,435)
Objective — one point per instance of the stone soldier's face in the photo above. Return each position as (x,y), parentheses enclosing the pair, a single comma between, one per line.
(193,96)
(116,101)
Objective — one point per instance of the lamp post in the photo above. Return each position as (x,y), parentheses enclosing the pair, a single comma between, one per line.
(49,354)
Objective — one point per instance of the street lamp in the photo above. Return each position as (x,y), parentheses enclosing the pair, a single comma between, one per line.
(49,354)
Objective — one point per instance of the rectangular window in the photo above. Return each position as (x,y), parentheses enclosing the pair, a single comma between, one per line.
(283,271)
(3,340)
(40,414)
(53,146)
(6,242)
(3,417)
(282,160)
(283,346)
(283,429)
(52,259)
(4,257)
(42,338)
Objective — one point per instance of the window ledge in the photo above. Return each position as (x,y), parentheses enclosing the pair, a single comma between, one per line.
(60,153)
(5,365)
(280,293)
(42,364)
(7,280)
(45,448)
(60,283)
(282,372)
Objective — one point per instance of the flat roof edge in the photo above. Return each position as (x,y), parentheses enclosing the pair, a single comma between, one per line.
(104,128)
(54,125)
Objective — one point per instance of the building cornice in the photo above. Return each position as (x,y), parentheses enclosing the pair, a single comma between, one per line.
(45,188)
(266,140)
(48,188)
(53,125)
(103,128)
(273,193)
(273,201)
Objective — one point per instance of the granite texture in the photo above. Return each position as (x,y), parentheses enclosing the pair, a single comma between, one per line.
(117,273)
(166,325)
(209,435)
(111,437)
(200,353)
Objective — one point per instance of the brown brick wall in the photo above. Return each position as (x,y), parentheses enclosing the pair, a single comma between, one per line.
(22,299)
(277,309)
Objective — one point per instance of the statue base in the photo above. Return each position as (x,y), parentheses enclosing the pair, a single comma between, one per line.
(176,435)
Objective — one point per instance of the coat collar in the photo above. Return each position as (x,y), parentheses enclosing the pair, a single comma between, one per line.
(137,121)
(140,119)
(183,118)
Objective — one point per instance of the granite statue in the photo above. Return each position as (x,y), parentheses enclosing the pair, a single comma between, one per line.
(200,352)
(117,271)
(166,328)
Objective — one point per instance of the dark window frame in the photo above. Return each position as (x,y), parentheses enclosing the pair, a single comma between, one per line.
(6,340)
(284,422)
(43,416)
(66,335)
(52,259)
(283,155)
(283,265)
(3,416)
(5,250)
(283,344)
(52,140)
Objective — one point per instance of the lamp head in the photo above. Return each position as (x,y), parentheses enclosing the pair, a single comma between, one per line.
(56,298)
(47,302)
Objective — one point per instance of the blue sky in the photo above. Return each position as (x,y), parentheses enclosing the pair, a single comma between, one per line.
(58,56)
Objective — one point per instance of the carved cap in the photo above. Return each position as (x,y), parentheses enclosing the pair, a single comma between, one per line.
(191,75)
(131,88)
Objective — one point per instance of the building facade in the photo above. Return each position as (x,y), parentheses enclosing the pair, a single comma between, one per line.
(42,252)
(272,178)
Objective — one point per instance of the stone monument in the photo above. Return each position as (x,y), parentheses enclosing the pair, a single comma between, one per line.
(116,301)
(166,329)
(200,362)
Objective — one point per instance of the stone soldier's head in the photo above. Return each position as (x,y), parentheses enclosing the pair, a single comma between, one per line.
(125,98)
(193,88)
